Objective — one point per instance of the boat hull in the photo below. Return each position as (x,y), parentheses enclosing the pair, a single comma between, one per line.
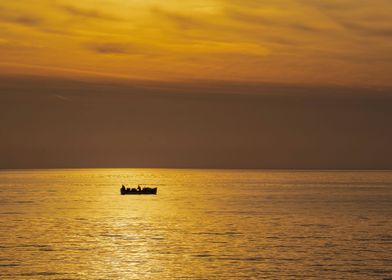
(147,191)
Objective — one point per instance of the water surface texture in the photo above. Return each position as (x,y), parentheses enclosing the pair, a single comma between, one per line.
(203,224)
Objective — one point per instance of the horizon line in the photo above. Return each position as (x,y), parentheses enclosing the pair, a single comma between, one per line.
(205,168)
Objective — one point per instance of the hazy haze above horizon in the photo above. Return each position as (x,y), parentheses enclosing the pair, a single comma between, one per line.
(67,123)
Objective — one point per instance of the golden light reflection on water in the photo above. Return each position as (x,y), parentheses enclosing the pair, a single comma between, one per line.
(73,224)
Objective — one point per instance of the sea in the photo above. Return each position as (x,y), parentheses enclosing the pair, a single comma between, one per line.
(68,224)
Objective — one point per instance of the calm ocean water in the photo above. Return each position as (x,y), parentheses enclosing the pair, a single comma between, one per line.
(203,224)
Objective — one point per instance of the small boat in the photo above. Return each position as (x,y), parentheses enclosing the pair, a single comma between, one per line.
(138,190)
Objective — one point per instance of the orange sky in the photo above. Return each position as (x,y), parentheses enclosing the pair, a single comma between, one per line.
(344,42)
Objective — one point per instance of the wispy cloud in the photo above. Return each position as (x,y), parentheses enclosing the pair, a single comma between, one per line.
(21,19)
(264,21)
(364,18)
(110,48)
(181,20)
(88,13)
(28,20)
(367,29)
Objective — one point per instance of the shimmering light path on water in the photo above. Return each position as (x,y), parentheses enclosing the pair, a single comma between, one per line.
(203,224)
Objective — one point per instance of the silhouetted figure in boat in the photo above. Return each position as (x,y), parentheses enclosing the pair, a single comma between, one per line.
(139,190)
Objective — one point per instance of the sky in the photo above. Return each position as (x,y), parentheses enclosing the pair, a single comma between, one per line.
(344,42)
(206,84)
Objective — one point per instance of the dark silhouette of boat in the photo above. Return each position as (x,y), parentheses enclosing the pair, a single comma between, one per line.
(138,190)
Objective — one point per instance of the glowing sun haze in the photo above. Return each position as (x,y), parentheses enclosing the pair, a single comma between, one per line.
(345,42)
